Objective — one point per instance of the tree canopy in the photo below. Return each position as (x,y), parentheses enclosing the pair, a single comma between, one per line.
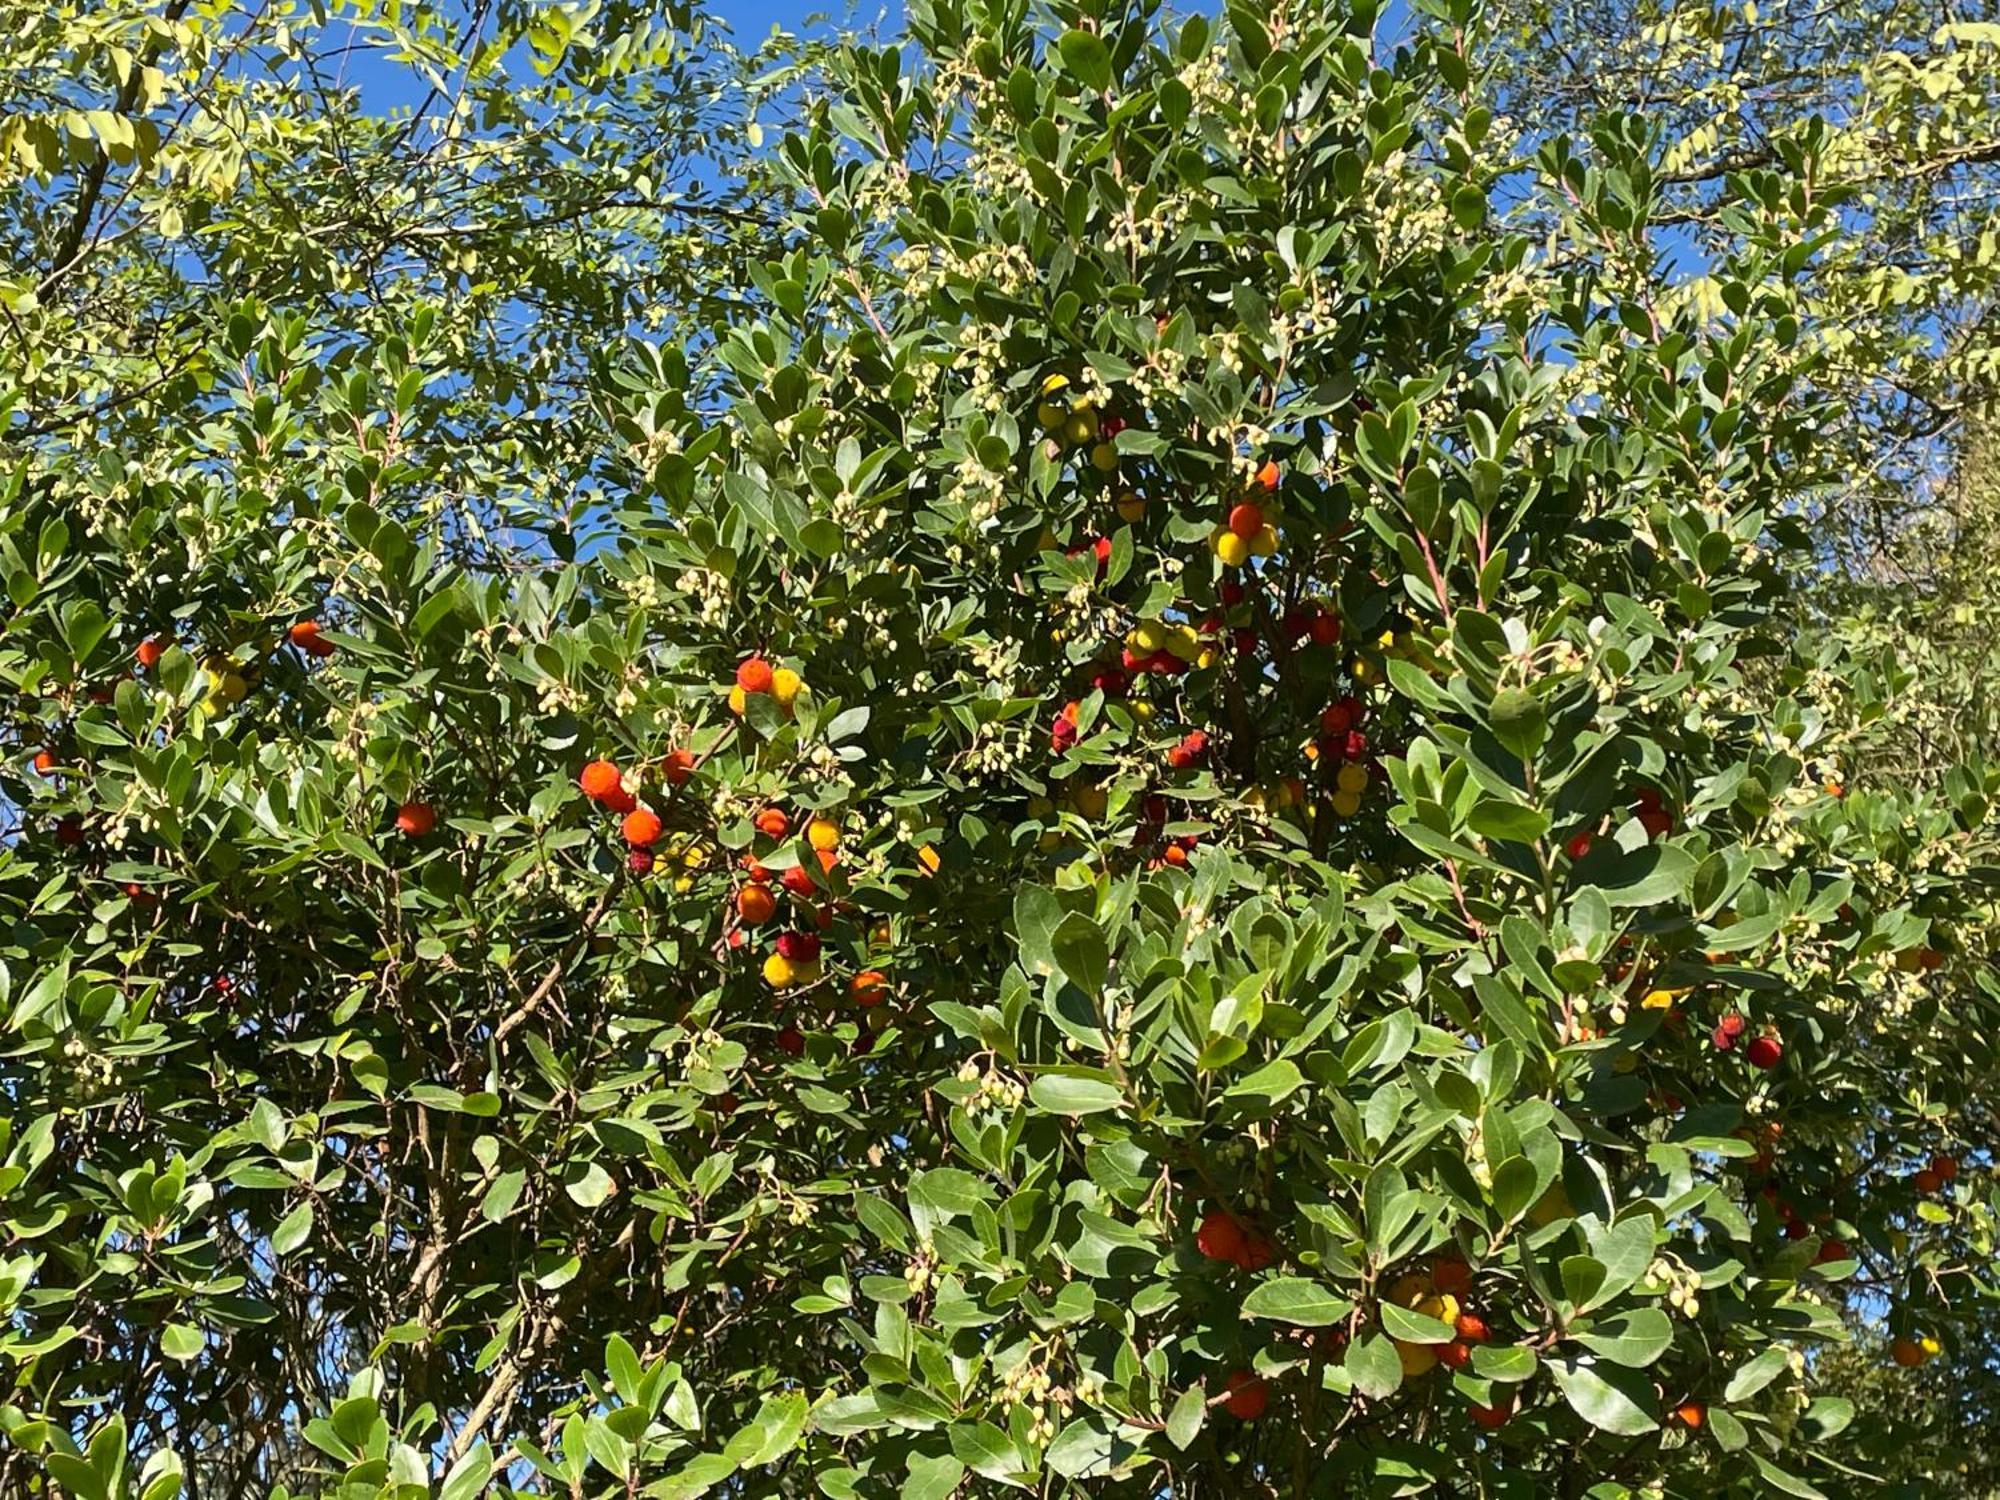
(1089,752)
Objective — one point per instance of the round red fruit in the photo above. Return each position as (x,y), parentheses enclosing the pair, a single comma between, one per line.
(1248,1395)
(1220,1237)
(754,675)
(798,947)
(1246,520)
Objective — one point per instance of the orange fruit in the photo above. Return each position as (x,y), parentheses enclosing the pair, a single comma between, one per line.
(754,675)
(599,780)
(755,905)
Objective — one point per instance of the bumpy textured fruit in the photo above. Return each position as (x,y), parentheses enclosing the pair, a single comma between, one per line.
(599,780)
(1248,1395)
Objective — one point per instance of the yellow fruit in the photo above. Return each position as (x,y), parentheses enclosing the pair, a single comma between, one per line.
(823,834)
(1184,643)
(1931,1347)
(1265,543)
(737,700)
(1254,797)
(1131,508)
(1346,804)
(785,686)
(1050,415)
(1410,1289)
(231,687)
(1053,383)
(1206,659)
(779,972)
(1104,456)
(1416,1359)
(1148,637)
(1661,999)
(1352,778)
(1440,1305)
(1230,547)
(1143,711)
(1364,671)
(928,858)
(1081,426)
(1090,802)
(1552,1205)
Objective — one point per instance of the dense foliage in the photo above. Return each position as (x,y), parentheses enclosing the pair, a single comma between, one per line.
(1126,768)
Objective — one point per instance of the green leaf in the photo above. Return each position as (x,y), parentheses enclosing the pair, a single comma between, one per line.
(1505,1362)
(181,1341)
(1296,1300)
(1076,1093)
(1086,59)
(1374,1366)
(1508,822)
(1634,1339)
(1785,1483)
(1828,1417)
(1646,876)
(500,1198)
(1518,721)
(1611,1399)
(1729,1433)
(931,1478)
(775,1432)
(1081,953)
(985,1449)
(293,1230)
(1515,1186)
(468,1476)
(1412,1327)
(1185,1420)
(1754,1376)
(1270,1083)
(587,1184)
(77,1477)
(1084,1448)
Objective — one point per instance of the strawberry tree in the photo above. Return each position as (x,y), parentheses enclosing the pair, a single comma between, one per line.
(1164,812)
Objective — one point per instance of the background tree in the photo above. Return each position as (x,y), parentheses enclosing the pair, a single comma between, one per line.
(1130,783)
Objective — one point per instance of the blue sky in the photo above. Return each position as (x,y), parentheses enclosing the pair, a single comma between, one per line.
(387,86)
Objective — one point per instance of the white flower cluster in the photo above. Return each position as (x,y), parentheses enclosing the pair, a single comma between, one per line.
(1683,1285)
(1030,1386)
(998,748)
(643,591)
(997,1093)
(873,620)
(710,592)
